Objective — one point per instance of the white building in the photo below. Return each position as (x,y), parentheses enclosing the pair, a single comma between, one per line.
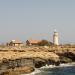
(55,38)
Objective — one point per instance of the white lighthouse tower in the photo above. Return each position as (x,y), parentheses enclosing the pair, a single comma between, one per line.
(55,38)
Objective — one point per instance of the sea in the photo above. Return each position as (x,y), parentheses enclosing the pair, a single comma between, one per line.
(63,69)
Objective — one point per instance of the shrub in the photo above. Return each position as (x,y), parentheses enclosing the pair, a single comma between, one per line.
(44,43)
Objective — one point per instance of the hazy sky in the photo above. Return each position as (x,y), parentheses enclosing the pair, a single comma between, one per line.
(25,19)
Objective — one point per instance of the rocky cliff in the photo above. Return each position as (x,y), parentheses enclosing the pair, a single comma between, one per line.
(25,60)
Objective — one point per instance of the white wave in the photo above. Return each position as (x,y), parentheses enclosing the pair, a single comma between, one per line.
(61,65)
(48,66)
(66,65)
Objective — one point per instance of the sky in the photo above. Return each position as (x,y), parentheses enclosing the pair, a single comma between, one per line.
(37,19)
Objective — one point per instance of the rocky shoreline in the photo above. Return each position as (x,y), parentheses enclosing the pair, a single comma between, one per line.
(15,61)
(18,71)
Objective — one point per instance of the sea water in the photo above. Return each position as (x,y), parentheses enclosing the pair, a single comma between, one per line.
(63,69)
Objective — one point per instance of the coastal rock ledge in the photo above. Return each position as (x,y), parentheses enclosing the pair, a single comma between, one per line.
(15,63)
(18,71)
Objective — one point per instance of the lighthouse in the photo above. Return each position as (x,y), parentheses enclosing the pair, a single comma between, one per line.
(55,38)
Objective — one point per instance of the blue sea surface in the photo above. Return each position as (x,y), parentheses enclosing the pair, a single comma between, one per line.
(57,71)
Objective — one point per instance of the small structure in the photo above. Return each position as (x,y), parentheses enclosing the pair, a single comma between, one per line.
(15,43)
(32,42)
(55,38)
